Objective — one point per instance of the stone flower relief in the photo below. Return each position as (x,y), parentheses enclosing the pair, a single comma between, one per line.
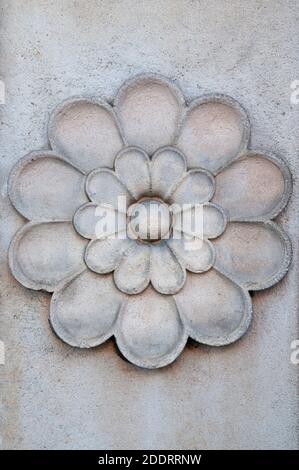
(151,151)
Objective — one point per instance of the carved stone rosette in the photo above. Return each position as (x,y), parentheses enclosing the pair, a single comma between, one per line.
(152,151)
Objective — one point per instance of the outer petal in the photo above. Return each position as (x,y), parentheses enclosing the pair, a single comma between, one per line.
(99,221)
(256,255)
(132,275)
(149,330)
(132,166)
(195,188)
(194,254)
(42,185)
(149,108)
(254,187)
(167,274)
(104,187)
(214,131)
(85,131)
(42,255)
(103,256)
(168,168)
(83,311)
(215,310)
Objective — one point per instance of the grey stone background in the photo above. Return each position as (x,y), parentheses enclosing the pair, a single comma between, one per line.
(240,396)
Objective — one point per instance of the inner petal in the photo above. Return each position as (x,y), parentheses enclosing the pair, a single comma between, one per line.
(132,166)
(195,188)
(132,275)
(103,256)
(167,170)
(199,220)
(99,221)
(104,187)
(167,274)
(194,254)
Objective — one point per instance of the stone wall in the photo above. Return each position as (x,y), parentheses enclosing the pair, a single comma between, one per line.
(239,396)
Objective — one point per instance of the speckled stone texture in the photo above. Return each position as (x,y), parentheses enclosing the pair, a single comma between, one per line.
(239,396)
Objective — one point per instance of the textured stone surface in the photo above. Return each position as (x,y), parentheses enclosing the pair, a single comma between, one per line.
(233,397)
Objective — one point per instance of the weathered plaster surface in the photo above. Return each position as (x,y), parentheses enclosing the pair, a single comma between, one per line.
(239,396)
